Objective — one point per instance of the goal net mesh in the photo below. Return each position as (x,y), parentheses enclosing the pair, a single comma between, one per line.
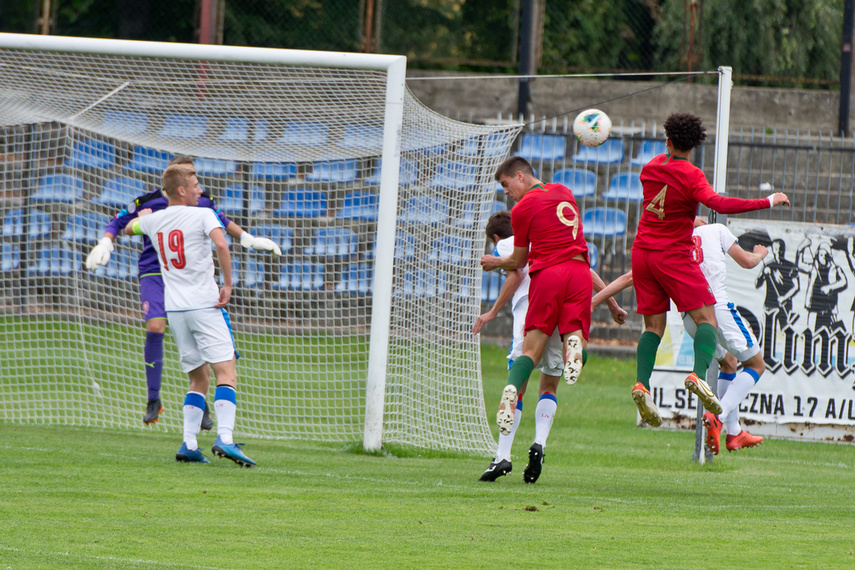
(292,153)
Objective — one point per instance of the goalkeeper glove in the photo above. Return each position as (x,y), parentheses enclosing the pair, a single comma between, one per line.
(100,254)
(259,244)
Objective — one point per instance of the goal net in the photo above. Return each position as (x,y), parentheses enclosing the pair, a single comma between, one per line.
(360,328)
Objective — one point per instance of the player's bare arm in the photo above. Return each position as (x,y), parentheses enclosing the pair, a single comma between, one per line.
(509,287)
(618,314)
(747,259)
(515,260)
(225,260)
(612,288)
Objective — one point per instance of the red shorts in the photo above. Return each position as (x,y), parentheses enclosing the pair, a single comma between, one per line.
(560,296)
(662,275)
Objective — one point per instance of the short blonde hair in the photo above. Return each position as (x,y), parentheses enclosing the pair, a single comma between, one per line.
(175,176)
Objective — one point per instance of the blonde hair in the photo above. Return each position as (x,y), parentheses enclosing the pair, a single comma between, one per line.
(175,176)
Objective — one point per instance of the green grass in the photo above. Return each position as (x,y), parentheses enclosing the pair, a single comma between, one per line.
(611,496)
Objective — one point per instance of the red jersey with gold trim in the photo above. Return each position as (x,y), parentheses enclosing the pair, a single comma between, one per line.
(548,220)
(673,187)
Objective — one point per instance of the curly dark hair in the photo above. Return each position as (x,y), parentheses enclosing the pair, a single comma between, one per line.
(685,130)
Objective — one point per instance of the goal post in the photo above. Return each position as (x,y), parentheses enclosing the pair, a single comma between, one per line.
(379,205)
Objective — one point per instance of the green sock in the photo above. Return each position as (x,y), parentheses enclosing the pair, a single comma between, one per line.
(520,371)
(704,348)
(584,356)
(645,356)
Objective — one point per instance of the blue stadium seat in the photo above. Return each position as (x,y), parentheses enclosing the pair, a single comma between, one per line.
(253,273)
(626,187)
(63,188)
(368,138)
(56,261)
(408,174)
(332,242)
(235,131)
(490,145)
(125,123)
(10,260)
(281,235)
(361,206)
(40,225)
(428,141)
(423,283)
(302,203)
(149,160)
(13,224)
(270,167)
(301,277)
(179,126)
(593,256)
(341,171)
(547,148)
(214,166)
(231,200)
(647,151)
(37,228)
(85,228)
(304,134)
(454,176)
(491,284)
(92,153)
(467,220)
(424,210)
(123,265)
(451,250)
(581,181)
(604,222)
(356,279)
(610,152)
(119,192)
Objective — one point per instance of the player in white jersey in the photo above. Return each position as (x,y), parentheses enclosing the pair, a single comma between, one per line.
(182,235)
(711,243)
(552,366)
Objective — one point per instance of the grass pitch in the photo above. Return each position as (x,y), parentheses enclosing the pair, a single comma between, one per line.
(611,496)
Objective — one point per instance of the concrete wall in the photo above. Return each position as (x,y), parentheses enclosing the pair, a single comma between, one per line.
(483,97)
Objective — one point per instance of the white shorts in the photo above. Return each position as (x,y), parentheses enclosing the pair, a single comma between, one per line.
(733,334)
(202,335)
(552,361)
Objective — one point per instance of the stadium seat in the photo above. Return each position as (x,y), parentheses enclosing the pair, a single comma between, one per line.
(340,171)
(149,160)
(253,273)
(608,153)
(180,126)
(13,224)
(467,220)
(120,192)
(368,138)
(626,187)
(281,235)
(451,250)
(491,284)
(490,145)
(408,174)
(11,258)
(85,228)
(603,222)
(56,261)
(332,242)
(92,153)
(546,148)
(593,255)
(428,141)
(360,206)
(63,188)
(424,210)
(270,167)
(214,166)
(125,123)
(581,181)
(647,151)
(423,283)
(231,200)
(356,279)
(302,203)
(304,134)
(301,277)
(40,225)
(454,176)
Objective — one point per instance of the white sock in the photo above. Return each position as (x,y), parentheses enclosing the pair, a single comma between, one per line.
(226,406)
(544,413)
(503,450)
(731,423)
(193,419)
(739,388)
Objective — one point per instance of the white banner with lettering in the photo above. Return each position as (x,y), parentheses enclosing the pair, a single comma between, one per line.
(799,301)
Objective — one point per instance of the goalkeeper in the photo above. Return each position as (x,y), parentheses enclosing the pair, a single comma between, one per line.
(151,282)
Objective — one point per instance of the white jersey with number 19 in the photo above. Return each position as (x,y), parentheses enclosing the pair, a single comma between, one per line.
(181,237)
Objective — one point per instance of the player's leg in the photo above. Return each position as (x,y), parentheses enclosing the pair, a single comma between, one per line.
(154,313)
(704,347)
(194,402)
(533,347)
(551,371)
(738,438)
(648,344)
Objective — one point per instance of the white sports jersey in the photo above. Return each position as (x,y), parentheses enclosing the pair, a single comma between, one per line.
(711,242)
(181,237)
(504,248)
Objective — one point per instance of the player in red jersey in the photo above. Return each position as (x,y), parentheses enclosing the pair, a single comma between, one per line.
(662,264)
(548,235)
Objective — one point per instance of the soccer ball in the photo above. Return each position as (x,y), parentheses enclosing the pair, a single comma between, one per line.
(592,127)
